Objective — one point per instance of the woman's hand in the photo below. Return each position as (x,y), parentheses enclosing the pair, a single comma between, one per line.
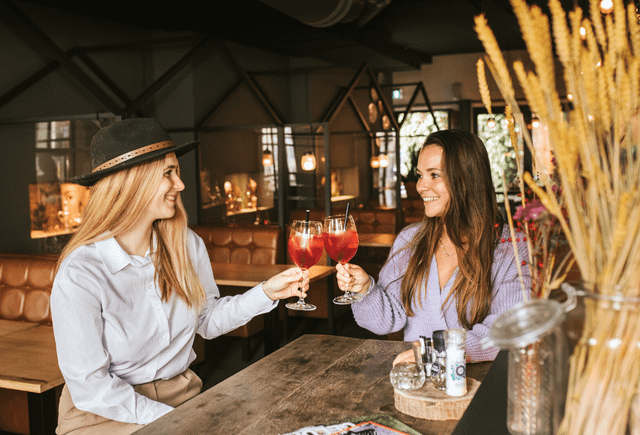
(352,278)
(285,284)
(405,357)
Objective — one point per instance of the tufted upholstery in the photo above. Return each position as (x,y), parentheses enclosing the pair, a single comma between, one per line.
(25,287)
(413,209)
(367,220)
(244,244)
(376,221)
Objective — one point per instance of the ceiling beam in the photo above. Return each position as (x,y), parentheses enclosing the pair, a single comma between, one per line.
(199,50)
(22,26)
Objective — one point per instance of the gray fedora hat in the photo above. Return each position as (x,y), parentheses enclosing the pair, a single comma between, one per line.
(127,143)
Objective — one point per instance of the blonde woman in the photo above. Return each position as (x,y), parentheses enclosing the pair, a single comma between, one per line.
(134,285)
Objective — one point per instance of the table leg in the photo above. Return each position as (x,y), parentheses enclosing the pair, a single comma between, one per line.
(42,413)
(271,331)
(330,306)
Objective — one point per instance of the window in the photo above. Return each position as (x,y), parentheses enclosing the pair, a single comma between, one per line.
(61,152)
(53,151)
(413,133)
(494,132)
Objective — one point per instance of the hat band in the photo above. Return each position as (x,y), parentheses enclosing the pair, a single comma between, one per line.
(135,153)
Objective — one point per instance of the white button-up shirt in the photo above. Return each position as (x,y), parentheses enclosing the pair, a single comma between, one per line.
(112,329)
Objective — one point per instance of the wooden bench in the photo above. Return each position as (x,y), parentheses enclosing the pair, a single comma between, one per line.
(241,244)
(30,380)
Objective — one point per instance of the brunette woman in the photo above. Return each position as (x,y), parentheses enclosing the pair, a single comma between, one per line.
(134,285)
(456,268)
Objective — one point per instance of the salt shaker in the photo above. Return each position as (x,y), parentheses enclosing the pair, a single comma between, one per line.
(438,367)
(456,382)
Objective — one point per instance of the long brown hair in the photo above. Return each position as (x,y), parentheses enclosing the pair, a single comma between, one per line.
(115,205)
(470,220)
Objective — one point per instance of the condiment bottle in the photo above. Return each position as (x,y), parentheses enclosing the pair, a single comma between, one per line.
(455,340)
(439,366)
(423,353)
(427,355)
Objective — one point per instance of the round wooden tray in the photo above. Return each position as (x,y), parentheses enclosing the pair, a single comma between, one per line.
(432,404)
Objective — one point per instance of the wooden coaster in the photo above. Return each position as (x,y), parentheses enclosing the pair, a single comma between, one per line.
(432,404)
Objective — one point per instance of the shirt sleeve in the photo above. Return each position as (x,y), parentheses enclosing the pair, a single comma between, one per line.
(83,361)
(223,314)
(382,311)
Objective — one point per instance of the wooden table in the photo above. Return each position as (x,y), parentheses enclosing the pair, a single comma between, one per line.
(315,379)
(10,326)
(376,240)
(28,362)
(250,275)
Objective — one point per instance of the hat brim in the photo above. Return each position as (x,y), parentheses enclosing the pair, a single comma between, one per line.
(91,178)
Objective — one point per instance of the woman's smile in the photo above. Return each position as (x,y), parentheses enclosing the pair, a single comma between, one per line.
(431,186)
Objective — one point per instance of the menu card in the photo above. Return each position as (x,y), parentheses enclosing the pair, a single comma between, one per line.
(378,424)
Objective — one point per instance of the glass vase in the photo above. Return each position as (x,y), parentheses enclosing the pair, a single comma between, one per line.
(605,366)
(537,364)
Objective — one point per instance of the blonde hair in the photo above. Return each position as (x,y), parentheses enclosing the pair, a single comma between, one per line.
(115,205)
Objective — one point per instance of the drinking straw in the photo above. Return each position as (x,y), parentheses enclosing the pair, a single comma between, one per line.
(346,216)
(306,221)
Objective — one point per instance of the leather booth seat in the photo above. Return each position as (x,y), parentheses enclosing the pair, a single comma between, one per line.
(242,244)
(413,209)
(379,220)
(25,287)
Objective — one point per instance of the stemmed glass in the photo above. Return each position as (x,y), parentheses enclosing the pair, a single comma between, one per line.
(305,248)
(341,243)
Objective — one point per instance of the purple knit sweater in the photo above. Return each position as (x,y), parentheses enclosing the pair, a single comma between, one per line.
(381,311)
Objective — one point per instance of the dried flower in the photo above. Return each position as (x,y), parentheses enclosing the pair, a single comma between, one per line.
(598,168)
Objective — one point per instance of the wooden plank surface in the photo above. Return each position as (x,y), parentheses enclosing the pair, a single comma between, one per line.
(376,240)
(250,275)
(28,360)
(313,380)
(11,326)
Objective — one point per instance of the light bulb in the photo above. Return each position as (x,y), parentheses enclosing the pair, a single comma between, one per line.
(375,163)
(491,122)
(384,160)
(267,158)
(535,122)
(308,162)
(606,6)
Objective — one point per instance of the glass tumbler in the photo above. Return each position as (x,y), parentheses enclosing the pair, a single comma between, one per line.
(407,376)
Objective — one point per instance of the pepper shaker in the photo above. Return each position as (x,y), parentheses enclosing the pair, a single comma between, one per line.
(439,366)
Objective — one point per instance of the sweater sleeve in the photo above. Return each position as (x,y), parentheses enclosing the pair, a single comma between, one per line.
(508,290)
(381,311)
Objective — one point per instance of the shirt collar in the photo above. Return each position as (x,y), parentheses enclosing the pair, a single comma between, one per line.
(115,258)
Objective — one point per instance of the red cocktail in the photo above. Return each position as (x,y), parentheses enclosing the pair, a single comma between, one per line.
(305,249)
(341,247)
(341,243)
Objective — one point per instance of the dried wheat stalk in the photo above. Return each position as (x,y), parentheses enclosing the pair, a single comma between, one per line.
(599,168)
